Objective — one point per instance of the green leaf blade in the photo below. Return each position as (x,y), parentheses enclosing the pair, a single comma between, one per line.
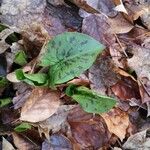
(92,102)
(68,55)
(22,127)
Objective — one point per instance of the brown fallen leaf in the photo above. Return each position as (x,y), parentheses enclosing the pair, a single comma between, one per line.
(41,104)
(126,89)
(117,53)
(120,25)
(23,92)
(34,36)
(23,143)
(117,122)
(55,122)
(98,27)
(85,5)
(22,13)
(101,6)
(140,61)
(137,10)
(57,141)
(102,75)
(138,141)
(87,130)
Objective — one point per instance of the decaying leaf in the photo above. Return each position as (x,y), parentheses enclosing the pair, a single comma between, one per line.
(21,13)
(97,26)
(41,104)
(138,141)
(57,141)
(89,131)
(102,74)
(101,6)
(120,25)
(56,121)
(140,61)
(126,89)
(23,143)
(117,122)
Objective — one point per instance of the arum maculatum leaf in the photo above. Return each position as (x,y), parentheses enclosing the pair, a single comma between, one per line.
(68,55)
(90,101)
(20,58)
(37,79)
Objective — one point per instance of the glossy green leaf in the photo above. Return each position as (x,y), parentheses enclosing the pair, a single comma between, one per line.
(37,79)
(68,55)
(90,101)
(20,58)
(22,127)
(5,102)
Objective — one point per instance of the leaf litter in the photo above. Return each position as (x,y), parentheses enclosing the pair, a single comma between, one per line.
(76,74)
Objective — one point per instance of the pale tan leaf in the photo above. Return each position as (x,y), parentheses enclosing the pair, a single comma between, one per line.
(138,141)
(7,145)
(41,104)
(117,122)
(120,25)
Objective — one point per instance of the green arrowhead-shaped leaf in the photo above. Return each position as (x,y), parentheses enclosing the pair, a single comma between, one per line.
(68,55)
(91,102)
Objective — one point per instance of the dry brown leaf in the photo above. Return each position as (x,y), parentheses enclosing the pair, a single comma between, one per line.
(86,5)
(98,27)
(138,141)
(23,91)
(140,61)
(56,121)
(41,104)
(117,122)
(137,10)
(102,74)
(21,13)
(23,143)
(57,142)
(120,25)
(126,89)
(87,130)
